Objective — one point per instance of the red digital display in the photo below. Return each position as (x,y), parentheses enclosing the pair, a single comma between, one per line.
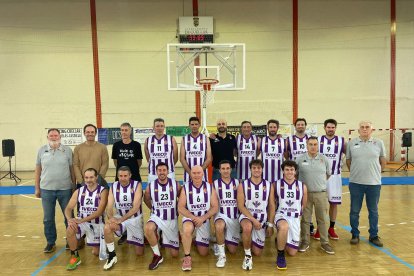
(196,38)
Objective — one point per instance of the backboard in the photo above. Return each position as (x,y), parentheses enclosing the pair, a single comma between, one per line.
(188,63)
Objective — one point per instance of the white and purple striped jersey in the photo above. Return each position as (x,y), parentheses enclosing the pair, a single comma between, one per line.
(198,199)
(164,199)
(332,149)
(195,152)
(272,157)
(289,198)
(296,146)
(256,198)
(88,202)
(124,197)
(227,197)
(246,152)
(160,150)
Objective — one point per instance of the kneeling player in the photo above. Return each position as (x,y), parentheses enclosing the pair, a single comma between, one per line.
(91,200)
(226,220)
(161,198)
(126,196)
(290,197)
(255,199)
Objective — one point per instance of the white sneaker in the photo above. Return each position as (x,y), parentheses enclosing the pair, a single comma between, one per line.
(247,263)
(110,262)
(221,261)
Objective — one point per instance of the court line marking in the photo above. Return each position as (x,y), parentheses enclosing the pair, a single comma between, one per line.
(48,262)
(384,250)
(26,196)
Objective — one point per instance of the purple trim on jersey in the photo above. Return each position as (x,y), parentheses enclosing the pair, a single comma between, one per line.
(205,192)
(231,242)
(170,246)
(282,187)
(292,246)
(298,195)
(135,243)
(257,245)
(334,202)
(92,244)
(198,243)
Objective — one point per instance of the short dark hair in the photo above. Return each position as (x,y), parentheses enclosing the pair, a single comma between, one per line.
(289,163)
(330,121)
(301,119)
(161,164)
(126,124)
(90,125)
(224,162)
(273,121)
(91,170)
(53,129)
(256,162)
(160,120)
(125,169)
(312,138)
(194,118)
(246,122)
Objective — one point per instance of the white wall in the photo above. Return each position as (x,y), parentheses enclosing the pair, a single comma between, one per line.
(46,66)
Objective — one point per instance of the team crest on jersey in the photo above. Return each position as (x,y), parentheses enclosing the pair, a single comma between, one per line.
(190,192)
(234,187)
(336,143)
(264,188)
(83,194)
(156,190)
(321,142)
(205,190)
(171,189)
(289,203)
(117,190)
(256,204)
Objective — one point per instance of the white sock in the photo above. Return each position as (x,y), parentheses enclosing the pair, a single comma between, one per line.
(221,249)
(248,252)
(110,246)
(156,250)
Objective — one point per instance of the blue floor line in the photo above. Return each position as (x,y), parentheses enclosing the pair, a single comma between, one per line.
(48,261)
(384,250)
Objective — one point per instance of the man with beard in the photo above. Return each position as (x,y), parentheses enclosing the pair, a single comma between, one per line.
(296,144)
(54,180)
(248,149)
(272,149)
(223,147)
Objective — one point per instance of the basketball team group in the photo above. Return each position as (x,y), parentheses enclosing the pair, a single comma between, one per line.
(260,185)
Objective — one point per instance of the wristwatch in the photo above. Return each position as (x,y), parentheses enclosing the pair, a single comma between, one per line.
(269,224)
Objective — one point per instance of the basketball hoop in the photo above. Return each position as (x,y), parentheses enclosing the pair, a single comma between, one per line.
(208,89)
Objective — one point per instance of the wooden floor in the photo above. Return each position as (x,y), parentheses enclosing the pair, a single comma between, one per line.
(22,242)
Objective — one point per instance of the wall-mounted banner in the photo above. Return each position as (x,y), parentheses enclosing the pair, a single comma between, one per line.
(71,136)
(141,134)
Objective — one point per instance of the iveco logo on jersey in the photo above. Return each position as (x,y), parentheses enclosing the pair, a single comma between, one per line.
(196,154)
(228,202)
(164,204)
(159,155)
(330,155)
(198,207)
(273,155)
(247,152)
(125,205)
(88,209)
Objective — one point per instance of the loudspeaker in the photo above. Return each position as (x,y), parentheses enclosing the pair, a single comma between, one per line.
(407,139)
(8,147)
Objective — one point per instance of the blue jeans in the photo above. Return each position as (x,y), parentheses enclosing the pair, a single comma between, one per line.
(49,198)
(372,195)
(217,175)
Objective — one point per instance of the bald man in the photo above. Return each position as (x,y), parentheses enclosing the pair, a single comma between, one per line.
(197,204)
(223,147)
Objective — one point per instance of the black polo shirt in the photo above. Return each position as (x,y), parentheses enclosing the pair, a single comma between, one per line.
(222,149)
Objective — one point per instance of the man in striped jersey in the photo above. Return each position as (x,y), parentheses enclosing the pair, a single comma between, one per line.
(125,196)
(195,150)
(160,148)
(197,204)
(91,200)
(255,199)
(296,144)
(248,149)
(290,197)
(272,149)
(333,147)
(226,220)
(161,198)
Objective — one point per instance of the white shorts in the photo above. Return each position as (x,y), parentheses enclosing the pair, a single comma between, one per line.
(169,230)
(202,233)
(334,189)
(258,236)
(232,232)
(135,232)
(152,177)
(293,236)
(93,232)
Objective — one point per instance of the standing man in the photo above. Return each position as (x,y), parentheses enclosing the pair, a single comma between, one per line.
(226,220)
(127,152)
(248,149)
(125,195)
(365,158)
(314,171)
(290,197)
(160,148)
(54,180)
(195,150)
(91,200)
(223,147)
(256,202)
(296,144)
(272,149)
(333,147)
(197,204)
(90,154)
(161,197)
